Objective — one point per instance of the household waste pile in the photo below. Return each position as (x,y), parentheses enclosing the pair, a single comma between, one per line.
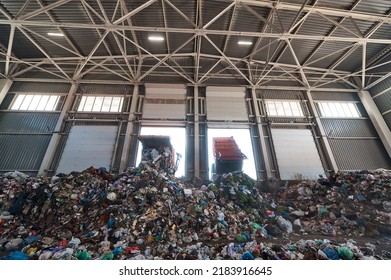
(147,213)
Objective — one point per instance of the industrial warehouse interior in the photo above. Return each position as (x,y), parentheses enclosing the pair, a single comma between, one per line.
(195,130)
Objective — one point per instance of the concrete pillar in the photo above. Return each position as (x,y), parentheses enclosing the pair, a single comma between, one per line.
(262,142)
(323,137)
(196,134)
(5,85)
(377,119)
(51,149)
(125,156)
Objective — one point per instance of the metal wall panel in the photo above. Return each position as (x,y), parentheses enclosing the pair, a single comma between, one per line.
(348,128)
(383,102)
(40,87)
(296,153)
(7,101)
(387,118)
(18,122)
(22,152)
(280,94)
(164,102)
(335,96)
(226,104)
(359,154)
(88,146)
(380,87)
(104,89)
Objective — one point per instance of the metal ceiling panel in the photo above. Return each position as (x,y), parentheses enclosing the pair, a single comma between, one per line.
(373,6)
(243,20)
(340,4)
(224,22)
(151,16)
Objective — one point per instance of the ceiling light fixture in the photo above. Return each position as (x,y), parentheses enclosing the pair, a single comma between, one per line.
(156,38)
(56,33)
(245,43)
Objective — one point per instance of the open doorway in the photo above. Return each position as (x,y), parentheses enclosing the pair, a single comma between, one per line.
(242,138)
(178,140)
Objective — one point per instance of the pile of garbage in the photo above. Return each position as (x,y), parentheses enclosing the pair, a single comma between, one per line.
(147,213)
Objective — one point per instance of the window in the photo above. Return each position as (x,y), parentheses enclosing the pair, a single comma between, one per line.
(101,104)
(284,108)
(36,102)
(338,109)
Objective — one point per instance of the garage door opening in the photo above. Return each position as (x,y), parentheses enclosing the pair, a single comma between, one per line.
(242,138)
(177,139)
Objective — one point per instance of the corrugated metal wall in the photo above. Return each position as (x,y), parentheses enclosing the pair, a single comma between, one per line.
(39,88)
(22,153)
(359,154)
(279,94)
(25,136)
(354,142)
(383,101)
(26,122)
(348,128)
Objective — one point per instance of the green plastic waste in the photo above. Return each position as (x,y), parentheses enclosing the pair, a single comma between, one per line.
(83,256)
(345,253)
(240,238)
(323,211)
(256,226)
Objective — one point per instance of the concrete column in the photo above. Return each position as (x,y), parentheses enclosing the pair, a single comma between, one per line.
(5,85)
(324,140)
(51,149)
(262,141)
(196,134)
(125,156)
(377,119)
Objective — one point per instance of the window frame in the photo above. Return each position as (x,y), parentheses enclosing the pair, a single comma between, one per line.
(338,109)
(32,102)
(96,104)
(284,108)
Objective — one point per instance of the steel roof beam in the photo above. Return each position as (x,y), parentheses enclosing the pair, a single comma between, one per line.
(165,25)
(261,18)
(197,42)
(228,60)
(229,28)
(59,28)
(9,50)
(124,9)
(134,11)
(43,9)
(37,67)
(161,61)
(21,10)
(157,58)
(87,7)
(339,25)
(200,31)
(32,66)
(363,64)
(123,52)
(180,13)
(102,10)
(94,49)
(309,9)
(43,51)
(219,15)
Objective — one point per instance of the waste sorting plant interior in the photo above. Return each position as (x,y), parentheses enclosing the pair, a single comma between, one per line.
(208,130)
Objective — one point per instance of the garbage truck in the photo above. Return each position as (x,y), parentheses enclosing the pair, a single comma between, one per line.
(158,150)
(227,154)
